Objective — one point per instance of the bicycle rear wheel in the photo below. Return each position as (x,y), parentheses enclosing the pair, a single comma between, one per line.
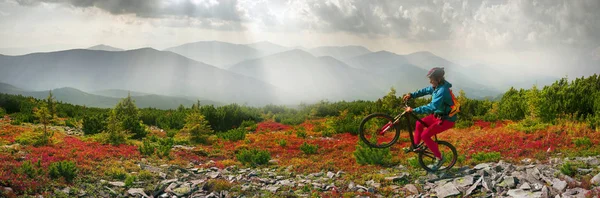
(427,159)
(377,131)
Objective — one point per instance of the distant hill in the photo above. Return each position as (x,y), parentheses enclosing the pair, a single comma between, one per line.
(267,47)
(118,93)
(219,54)
(78,97)
(104,48)
(314,77)
(144,70)
(339,52)
(407,72)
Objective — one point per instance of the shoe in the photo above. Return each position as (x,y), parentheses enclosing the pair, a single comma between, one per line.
(437,164)
(413,149)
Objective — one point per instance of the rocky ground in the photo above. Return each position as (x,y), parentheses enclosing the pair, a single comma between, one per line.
(529,179)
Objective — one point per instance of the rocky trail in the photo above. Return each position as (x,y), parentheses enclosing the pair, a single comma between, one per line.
(501,179)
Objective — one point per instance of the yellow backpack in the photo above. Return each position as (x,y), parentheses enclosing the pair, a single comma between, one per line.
(454,109)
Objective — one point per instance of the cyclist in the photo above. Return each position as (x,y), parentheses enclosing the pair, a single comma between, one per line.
(438,120)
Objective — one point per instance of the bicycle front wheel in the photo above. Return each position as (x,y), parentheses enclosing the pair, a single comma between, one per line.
(377,131)
(427,159)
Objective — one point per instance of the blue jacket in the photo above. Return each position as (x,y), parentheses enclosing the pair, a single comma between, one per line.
(441,100)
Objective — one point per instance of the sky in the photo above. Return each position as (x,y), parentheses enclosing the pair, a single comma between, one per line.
(549,37)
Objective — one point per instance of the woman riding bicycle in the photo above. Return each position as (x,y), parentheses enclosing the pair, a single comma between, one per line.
(438,120)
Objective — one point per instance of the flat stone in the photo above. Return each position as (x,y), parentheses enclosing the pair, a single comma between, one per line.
(286,183)
(213,175)
(168,181)
(575,193)
(509,182)
(545,192)
(593,161)
(473,187)
(520,193)
(253,174)
(596,179)
(359,188)
(66,190)
(197,181)
(393,179)
(411,188)
(351,186)
(330,174)
(117,184)
(446,190)
(137,191)
(534,172)
(486,183)
(464,181)
(482,166)
(559,185)
(319,174)
(182,191)
(339,173)
(525,186)
(171,187)
(273,189)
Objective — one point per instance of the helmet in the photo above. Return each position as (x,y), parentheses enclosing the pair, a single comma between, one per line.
(436,72)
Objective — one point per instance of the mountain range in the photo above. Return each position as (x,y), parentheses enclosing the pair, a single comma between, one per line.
(105,98)
(253,74)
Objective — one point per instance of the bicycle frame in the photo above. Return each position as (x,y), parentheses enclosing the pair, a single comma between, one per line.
(410,126)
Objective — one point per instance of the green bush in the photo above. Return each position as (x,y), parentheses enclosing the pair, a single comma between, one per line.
(71,122)
(582,142)
(30,169)
(2,112)
(15,122)
(345,122)
(568,169)
(482,157)
(462,124)
(171,133)
(249,125)
(147,148)
(36,138)
(290,118)
(145,175)
(93,124)
(413,162)
(129,180)
(309,148)
(65,169)
(300,132)
(282,142)
(164,147)
(528,125)
(233,134)
(116,173)
(374,156)
(253,157)
(328,132)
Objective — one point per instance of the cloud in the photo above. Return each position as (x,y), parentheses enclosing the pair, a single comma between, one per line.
(472,24)
(211,13)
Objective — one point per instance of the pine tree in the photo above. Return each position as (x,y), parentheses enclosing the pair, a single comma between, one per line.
(45,118)
(197,127)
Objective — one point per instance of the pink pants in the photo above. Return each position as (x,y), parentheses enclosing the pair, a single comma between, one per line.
(434,128)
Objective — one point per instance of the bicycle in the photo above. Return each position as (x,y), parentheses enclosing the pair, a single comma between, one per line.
(382,129)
